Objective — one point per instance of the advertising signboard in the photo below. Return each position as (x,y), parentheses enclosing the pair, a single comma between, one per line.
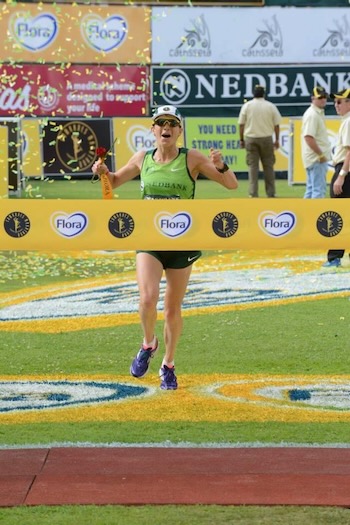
(69,146)
(173,224)
(203,35)
(73,90)
(221,90)
(75,33)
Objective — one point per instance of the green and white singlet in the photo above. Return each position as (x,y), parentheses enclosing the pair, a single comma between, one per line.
(166,181)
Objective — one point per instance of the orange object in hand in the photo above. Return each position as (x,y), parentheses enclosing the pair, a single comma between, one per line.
(107,190)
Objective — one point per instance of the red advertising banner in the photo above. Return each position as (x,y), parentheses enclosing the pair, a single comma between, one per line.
(55,33)
(73,90)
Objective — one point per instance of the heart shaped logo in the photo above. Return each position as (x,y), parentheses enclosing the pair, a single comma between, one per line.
(34,33)
(139,137)
(173,225)
(104,34)
(69,225)
(277,225)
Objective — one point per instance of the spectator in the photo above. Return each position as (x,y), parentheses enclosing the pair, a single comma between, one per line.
(259,120)
(315,145)
(340,183)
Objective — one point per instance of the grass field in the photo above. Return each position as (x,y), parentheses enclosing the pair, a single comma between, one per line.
(303,337)
(158,515)
(84,189)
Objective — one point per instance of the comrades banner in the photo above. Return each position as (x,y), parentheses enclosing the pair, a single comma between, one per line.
(214,224)
(77,33)
(69,146)
(208,90)
(247,35)
(73,90)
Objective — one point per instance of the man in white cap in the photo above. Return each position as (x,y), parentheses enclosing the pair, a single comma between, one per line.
(340,183)
(166,172)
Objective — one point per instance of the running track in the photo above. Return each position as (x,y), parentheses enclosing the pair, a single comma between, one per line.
(138,476)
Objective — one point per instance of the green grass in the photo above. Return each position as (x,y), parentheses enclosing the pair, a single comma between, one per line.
(83,189)
(176,515)
(302,338)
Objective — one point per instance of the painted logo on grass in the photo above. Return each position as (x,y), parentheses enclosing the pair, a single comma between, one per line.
(319,395)
(69,225)
(18,396)
(206,290)
(173,225)
(277,225)
(301,393)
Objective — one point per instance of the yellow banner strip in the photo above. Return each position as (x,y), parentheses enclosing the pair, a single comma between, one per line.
(217,224)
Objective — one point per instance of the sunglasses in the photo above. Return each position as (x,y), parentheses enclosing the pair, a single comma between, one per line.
(162,121)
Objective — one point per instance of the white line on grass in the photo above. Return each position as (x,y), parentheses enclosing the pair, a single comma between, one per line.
(169,444)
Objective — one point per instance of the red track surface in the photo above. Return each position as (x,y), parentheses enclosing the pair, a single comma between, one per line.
(138,476)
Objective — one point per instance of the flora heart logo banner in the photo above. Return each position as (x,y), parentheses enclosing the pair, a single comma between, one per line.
(77,34)
(277,225)
(69,225)
(34,33)
(173,225)
(104,34)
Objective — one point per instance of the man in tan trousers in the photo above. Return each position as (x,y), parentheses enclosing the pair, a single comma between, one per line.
(259,126)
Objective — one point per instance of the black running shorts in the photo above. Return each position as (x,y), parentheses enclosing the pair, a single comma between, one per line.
(176,259)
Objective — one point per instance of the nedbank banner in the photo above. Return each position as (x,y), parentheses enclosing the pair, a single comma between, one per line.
(223,89)
(174,225)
